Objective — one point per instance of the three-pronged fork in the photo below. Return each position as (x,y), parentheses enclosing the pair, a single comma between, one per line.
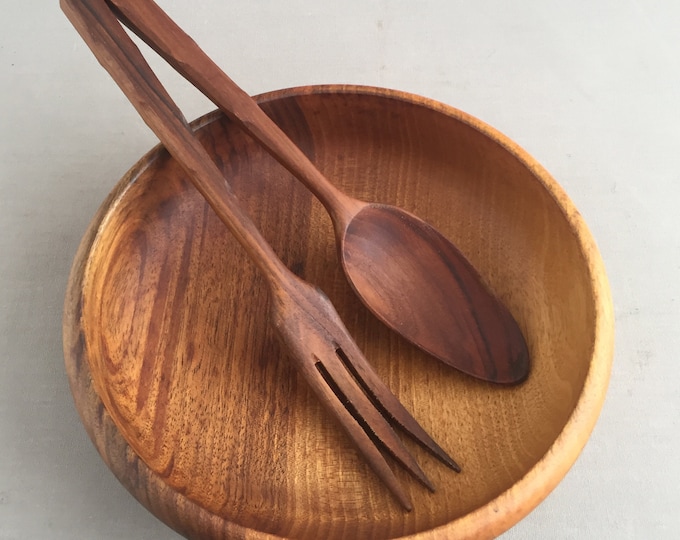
(303,316)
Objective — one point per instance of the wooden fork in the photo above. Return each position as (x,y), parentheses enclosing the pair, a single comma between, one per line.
(304,318)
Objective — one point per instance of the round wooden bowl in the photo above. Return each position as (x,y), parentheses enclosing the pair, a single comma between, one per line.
(190,400)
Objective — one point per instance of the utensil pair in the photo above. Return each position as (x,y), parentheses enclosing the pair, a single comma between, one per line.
(389,256)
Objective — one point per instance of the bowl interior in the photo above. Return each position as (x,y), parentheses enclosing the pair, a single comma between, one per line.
(175,321)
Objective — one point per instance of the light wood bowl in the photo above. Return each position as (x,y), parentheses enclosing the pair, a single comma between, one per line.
(189,399)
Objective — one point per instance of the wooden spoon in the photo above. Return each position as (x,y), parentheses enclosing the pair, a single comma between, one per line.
(406,272)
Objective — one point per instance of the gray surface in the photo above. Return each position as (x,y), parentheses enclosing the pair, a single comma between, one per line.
(590,88)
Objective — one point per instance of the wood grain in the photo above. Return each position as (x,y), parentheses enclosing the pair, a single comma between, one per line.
(189,399)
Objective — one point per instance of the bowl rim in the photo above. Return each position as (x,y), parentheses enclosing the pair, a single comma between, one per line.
(488,521)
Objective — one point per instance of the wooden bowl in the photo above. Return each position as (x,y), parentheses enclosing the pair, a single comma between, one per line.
(188,397)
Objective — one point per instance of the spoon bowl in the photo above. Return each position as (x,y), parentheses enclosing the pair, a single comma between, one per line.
(419,284)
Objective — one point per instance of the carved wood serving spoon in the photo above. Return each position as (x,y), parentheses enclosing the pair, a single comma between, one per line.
(406,272)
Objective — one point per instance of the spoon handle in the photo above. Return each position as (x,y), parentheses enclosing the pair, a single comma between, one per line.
(146,19)
(118,54)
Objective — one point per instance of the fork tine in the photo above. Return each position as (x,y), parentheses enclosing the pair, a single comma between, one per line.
(370,418)
(323,387)
(389,405)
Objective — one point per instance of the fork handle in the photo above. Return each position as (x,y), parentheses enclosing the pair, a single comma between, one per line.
(118,54)
(146,19)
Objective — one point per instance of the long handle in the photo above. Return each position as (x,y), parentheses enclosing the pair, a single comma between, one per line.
(118,54)
(146,19)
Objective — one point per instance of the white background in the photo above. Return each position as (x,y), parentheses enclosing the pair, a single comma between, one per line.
(591,88)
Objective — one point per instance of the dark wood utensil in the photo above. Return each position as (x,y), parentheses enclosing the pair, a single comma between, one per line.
(304,318)
(407,273)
